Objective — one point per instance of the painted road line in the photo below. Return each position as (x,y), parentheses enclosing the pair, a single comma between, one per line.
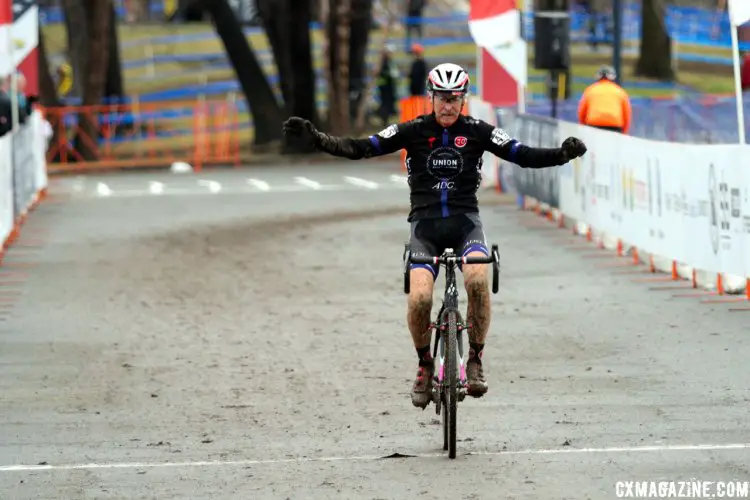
(155,187)
(212,186)
(258,184)
(356,181)
(612,450)
(103,190)
(304,181)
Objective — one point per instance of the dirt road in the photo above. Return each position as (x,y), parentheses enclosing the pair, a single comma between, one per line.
(249,342)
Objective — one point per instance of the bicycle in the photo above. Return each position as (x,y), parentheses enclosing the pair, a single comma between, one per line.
(450,325)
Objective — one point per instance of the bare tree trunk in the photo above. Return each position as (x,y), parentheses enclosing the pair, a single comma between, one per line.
(324,18)
(361,23)
(275,16)
(76,23)
(267,115)
(655,60)
(343,34)
(287,25)
(47,88)
(114,87)
(94,77)
(304,85)
(338,33)
(369,90)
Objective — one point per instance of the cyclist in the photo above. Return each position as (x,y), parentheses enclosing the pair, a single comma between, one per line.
(444,161)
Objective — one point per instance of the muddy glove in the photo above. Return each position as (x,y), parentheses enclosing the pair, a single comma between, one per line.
(304,129)
(572,148)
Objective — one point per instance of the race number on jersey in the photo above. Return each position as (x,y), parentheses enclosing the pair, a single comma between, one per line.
(388,132)
(500,136)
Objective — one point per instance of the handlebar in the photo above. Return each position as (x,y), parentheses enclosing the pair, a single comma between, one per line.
(494,257)
(450,259)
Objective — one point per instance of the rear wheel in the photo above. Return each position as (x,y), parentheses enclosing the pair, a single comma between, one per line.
(451,374)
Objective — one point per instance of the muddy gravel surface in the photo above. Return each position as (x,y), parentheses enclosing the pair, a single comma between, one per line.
(253,345)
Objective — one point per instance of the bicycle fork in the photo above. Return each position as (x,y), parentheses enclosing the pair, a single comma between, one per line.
(439,384)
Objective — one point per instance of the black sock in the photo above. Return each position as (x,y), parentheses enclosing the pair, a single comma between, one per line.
(476,351)
(423,354)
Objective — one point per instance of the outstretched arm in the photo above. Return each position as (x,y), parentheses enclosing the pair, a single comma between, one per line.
(388,140)
(499,143)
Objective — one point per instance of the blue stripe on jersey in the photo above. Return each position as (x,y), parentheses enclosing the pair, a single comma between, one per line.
(513,150)
(444,188)
(375,144)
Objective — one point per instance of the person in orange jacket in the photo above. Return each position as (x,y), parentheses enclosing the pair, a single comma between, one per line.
(604,104)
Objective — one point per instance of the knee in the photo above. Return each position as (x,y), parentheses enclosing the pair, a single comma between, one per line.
(420,306)
(421,298)
(420,293)
(477,286)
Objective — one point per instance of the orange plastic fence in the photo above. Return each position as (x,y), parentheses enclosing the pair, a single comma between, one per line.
(414,106)
(143,135)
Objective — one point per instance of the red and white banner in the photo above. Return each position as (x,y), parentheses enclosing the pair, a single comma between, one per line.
(6,19)
(19,41)
(495,26)
(494,22)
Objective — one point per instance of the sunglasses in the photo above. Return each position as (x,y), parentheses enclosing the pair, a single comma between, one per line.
(449,97)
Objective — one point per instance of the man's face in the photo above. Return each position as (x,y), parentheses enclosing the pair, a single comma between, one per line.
(447,107)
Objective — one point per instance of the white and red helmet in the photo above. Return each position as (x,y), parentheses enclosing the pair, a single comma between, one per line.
(448,77)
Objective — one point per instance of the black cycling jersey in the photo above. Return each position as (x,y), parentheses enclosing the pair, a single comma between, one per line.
(444,165)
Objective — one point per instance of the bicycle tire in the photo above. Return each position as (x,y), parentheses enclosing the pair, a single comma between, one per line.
(442,403)
(451,373)
(446,436)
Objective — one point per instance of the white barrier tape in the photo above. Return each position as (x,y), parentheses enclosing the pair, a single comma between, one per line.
(6,191)
(688,202)
(712,282)
(684,208)
(23,176)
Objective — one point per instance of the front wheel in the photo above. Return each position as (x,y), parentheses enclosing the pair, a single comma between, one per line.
(451,374)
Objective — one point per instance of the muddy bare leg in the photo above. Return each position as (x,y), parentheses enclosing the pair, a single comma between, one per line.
(420,306)
(418,318)
(478,316)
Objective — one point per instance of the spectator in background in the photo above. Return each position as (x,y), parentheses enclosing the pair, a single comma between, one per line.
(598,20)
(64,79)
(604,104)
(418,71)
(5,109)
(387,80)
(24,106)
(745,74)
(414,19)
